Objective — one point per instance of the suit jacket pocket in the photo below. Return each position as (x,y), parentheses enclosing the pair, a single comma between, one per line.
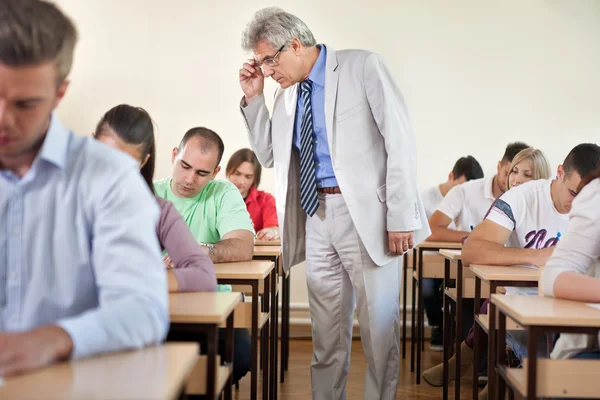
(381,193)
(345,114)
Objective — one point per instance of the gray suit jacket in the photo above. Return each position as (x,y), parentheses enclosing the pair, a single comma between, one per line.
(372,149)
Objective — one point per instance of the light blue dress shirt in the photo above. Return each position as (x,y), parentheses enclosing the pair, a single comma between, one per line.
(324,169)
(78,247)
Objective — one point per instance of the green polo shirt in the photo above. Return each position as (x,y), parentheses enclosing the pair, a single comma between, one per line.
(217,210)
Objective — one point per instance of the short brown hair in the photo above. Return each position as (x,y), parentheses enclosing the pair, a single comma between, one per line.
(590,177)
(34,32)
(241,156)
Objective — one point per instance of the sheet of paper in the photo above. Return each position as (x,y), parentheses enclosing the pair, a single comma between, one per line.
(595,305)
(529,266)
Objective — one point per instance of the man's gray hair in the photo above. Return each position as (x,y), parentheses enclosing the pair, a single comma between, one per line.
(278,28)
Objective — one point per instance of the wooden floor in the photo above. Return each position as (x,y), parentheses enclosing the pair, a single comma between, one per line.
(297,382)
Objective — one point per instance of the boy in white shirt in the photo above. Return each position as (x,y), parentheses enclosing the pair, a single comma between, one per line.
(467,204)
(465,169)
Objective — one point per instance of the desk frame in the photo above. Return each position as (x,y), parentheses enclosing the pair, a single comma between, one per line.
(533,333)
(269,287)
(494,335)
(447,321)
(211,332)
(419,250)
(274,317)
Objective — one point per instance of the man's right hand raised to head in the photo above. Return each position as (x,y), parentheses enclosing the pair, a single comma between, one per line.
(252,81)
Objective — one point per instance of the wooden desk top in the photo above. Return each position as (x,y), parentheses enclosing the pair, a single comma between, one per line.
(267,251)
(546,311)
(157,372)
(202,307)
(256,270)
(267,243)
(454,255)
(440,245)
(503,273)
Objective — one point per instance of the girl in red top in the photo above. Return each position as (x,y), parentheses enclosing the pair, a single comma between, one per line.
(244,170)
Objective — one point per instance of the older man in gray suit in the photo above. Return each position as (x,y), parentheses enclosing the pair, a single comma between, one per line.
(344,157)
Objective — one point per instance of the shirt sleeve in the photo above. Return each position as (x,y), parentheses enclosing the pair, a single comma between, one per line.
(232,214)
(579,249)
(507,210)
(130,278)
(269,211)
(194,270)
(453,203)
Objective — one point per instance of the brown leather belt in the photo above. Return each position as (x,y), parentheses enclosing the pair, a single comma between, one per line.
(329,190)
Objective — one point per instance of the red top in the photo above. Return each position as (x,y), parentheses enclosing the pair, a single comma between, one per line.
(261,207)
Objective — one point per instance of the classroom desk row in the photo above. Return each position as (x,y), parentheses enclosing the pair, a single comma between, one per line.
(538,315)
(143,371)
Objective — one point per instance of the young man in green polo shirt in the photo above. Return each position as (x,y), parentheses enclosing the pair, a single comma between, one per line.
(216,214)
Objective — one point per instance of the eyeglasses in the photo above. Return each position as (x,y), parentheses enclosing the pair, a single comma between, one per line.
(270,61)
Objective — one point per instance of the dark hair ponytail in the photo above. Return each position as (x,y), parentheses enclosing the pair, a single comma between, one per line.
(134,126)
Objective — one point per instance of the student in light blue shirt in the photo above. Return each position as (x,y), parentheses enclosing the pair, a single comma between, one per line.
(80,266)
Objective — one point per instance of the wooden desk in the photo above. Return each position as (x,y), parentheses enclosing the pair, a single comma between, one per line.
(253,273)
(267,243)
(495,276)
(158,372)
(273,253)
(203,313)
(451,258)
(540,315)
(417,262)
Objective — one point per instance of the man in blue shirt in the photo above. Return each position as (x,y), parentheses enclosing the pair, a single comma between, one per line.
(340,140)
(80,265)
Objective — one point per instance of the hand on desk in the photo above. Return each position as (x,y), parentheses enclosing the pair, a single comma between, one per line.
(400,242)
(271,233)
(542,256)
(21,352)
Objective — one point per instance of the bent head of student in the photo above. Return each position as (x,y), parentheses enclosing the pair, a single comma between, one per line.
(528,165)
(196,161)
(590,177)
(580,162)
(244,171)
(36,53)
(465,169)
(503,167)
(130,130)
(282,45)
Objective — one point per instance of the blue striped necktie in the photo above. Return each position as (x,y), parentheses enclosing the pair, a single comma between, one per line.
(308,184)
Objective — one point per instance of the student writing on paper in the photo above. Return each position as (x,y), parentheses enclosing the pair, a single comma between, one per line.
(80,262)
(573,271)
(216,215)
(244,171)
(466,204)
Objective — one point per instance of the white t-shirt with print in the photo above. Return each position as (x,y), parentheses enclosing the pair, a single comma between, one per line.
(468,203)
(528,211)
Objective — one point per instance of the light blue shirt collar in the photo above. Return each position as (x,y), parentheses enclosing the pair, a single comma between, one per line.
(56,143)
(317,73)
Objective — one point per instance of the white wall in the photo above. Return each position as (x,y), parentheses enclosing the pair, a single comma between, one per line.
(475,74)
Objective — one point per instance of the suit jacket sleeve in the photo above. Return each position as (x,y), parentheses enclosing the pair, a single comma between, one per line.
(258,123)
(391,116)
